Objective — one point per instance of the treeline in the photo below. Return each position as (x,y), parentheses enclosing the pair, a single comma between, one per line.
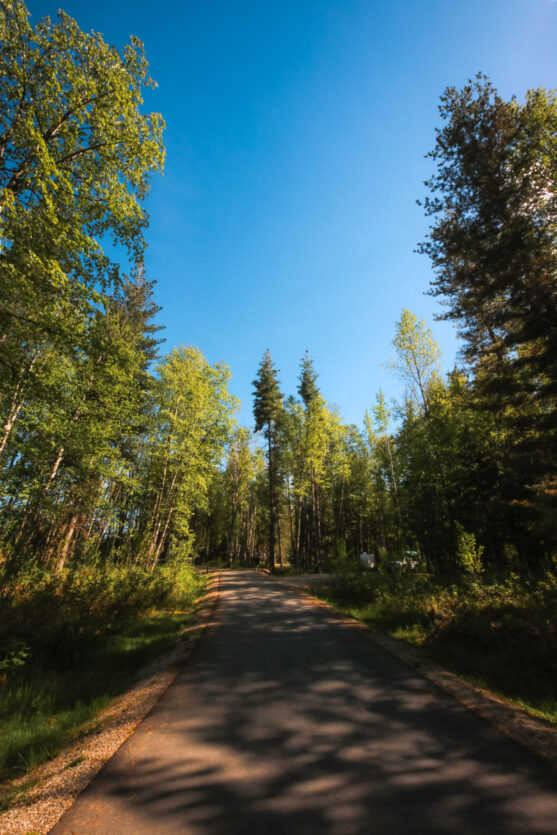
(418,480)
(104,455)
(466,474)
(432,474)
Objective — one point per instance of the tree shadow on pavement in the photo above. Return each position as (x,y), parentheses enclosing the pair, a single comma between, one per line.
(290,722)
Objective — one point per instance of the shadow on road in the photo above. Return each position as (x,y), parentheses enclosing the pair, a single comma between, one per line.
(290,722)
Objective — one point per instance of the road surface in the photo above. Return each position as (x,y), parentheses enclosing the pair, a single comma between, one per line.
(289,722)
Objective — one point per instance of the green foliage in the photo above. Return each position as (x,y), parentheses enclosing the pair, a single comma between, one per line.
(418,357)
(267,399)
(98,629)
(339,561)
(493,202)
(385,488)
(194,419)
(13,654)
(89,601)
(500,634)
(76,335)
(267,411)
(76,153)
(468,553)
(308,380)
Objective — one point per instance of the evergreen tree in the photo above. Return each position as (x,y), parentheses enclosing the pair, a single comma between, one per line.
(315,444)
(493,244)
(267,408)
(307,388)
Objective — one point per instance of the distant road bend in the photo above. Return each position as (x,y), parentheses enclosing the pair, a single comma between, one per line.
(288,722)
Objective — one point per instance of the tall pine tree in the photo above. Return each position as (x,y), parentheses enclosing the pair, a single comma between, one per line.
(267,407)
(493,245)
(307,388)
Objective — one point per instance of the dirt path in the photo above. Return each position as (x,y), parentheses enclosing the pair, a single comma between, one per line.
(289,722)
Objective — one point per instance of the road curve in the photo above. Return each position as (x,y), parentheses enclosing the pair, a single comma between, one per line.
(288,721)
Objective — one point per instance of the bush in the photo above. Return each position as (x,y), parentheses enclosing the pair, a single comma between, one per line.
(500,633)
(468,554)
(53,615)
(68,644)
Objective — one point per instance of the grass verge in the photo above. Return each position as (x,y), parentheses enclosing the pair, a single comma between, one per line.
(500,636)
(58,675)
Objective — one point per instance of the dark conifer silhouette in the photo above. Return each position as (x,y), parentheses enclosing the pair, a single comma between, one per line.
(267,405)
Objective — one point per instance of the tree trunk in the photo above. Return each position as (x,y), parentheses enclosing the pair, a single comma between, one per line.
(279,540)
(318,527)
(395,485)
(253,530)
(67,541)
(271,502)
(18,399)
(162,539)
(298,529)
(292,540)
(157,516)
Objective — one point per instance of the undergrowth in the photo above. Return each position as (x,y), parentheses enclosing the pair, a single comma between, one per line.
(500,634)
(69,644)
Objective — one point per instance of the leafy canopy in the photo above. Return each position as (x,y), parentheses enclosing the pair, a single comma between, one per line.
(75,156)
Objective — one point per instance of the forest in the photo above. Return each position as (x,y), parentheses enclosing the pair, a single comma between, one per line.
(464,470)
(122,468)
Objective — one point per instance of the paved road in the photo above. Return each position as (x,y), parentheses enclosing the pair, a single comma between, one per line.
(289,722)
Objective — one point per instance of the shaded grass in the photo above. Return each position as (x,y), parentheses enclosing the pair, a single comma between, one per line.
(14,793)
(294,570)
(501,636)
(57,693)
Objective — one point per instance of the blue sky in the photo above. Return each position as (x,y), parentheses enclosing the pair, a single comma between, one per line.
(296,135)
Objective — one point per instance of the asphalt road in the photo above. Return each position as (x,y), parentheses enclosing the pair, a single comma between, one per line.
(287,721)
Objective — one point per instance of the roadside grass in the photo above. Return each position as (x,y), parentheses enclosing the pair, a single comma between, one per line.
(67,674)
(499,635)
(293,570)
(13,793)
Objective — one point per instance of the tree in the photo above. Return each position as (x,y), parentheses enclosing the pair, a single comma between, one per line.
(75,151)
(194,416)
(237,504)
(381,448)
(493,245)
(494,204)
(76,154)
(77,446)
(315,444)
(307,388)
(267,407)
(418,355)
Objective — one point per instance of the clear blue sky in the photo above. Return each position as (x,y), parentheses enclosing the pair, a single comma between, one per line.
(296,134)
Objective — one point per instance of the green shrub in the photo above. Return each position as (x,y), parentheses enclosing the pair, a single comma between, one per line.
(42,609)
(468,553)
(501,633)
(69,643)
